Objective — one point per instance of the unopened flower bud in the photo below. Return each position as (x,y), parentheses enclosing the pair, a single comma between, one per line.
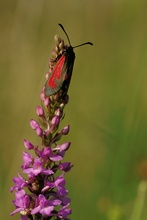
(57,50)
(57,39)
(55,120)
(28,145)
(65,146)
(39,111)
(58,112)
(61,45)
(65,130)
(39,131)
(46,101)
(42,96)
(34,124)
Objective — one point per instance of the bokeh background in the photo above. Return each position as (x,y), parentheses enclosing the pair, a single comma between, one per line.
(108,100)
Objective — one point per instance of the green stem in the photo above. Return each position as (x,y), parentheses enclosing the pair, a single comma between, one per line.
(139,202)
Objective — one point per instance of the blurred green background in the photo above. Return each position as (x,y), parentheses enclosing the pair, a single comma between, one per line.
(108,100)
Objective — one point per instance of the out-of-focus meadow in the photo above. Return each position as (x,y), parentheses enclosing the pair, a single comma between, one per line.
(108,100)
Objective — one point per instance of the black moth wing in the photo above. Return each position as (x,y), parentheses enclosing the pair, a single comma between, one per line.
(67,68)
(65,74)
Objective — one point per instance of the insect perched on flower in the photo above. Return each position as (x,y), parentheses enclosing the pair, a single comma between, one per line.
(60,74)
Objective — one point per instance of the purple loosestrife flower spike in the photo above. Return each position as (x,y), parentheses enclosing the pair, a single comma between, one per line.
(42,194)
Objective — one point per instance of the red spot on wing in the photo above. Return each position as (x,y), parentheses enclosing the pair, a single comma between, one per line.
(56,72)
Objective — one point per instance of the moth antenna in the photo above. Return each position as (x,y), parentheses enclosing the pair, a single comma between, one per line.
(84,44)
(69,40)
(65,33)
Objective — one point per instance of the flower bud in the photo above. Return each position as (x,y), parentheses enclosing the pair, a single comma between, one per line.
(28,145)
(57,39)
(55,120)
(57,50)
(58,112)
(39,111)
(65,146)
(61,45)
(42,96)
(39,131)
(65,130)
(66,166)
(34,124)
(46,101)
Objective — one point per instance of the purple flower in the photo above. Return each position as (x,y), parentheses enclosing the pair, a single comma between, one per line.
(28,159)
(64,212)
(60,185)
(19,183)
(45,206)
(47,154)
(62,147)
(22,203)
(42,194)
(37,168)
(66,166)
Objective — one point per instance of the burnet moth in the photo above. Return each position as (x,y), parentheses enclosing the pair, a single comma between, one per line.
(62,71)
